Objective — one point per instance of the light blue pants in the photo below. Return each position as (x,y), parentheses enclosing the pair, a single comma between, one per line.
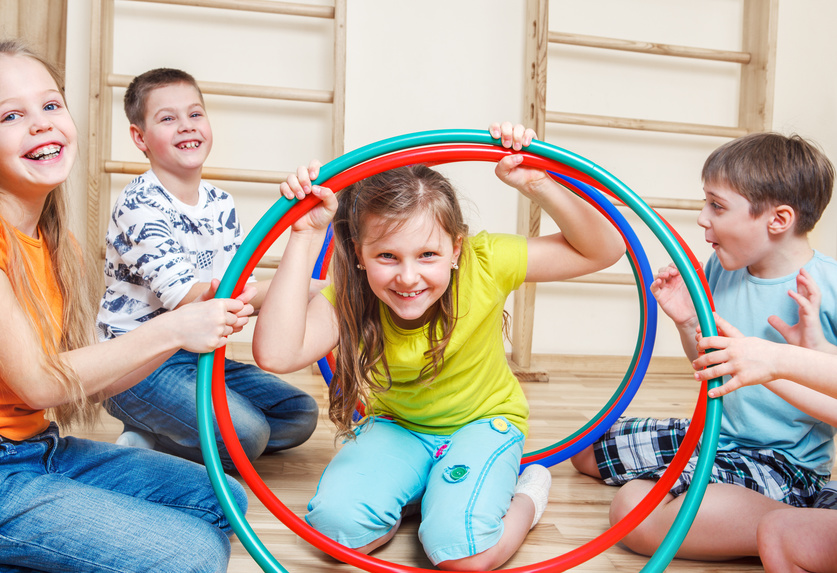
(68,504)
(268,413)
(465,482)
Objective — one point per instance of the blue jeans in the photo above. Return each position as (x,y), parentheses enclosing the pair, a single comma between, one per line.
(268,413)
(465,482)
(68,504)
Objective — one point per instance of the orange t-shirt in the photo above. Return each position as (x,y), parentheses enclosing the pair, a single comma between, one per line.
(17,420)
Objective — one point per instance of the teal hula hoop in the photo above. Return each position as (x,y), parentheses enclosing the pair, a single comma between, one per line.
(669,546)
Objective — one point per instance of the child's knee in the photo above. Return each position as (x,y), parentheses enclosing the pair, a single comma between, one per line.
(348,522)
(451,538)
(585,462)
(627,498)
(645,537)
(770,529)
(211,554)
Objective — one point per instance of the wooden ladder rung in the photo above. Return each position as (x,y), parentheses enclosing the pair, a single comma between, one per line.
(644,124)
(650,48)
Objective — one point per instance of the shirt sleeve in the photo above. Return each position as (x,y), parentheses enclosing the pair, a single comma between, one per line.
(145,241)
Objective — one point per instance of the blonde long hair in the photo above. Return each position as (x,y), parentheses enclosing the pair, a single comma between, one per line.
(74,281)
(394,197)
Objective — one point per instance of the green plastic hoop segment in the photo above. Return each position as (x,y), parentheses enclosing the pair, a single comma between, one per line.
(668,548)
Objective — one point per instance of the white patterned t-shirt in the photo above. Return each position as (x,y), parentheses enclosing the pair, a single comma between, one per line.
(158,247)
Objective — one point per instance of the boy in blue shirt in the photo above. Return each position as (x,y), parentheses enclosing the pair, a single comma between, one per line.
(170,238)
(764,193)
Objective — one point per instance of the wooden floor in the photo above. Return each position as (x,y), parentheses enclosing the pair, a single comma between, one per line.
(578,505)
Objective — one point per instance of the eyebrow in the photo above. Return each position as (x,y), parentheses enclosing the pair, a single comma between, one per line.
(170,109)
(47,94)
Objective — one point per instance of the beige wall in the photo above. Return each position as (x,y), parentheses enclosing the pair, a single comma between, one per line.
(414,66)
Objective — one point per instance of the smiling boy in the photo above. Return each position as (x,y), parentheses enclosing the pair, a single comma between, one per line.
(171,234)
(764,193)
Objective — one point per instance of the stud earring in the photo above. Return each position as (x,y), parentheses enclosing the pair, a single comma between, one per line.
(453,265)
(361,267)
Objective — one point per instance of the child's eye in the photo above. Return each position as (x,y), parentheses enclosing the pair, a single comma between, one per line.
(428,255)
(51,107)
(388,256)
(10,116)
(196,114)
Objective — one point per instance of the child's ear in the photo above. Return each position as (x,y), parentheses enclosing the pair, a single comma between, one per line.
(138,138)
(783,219)
(457,247)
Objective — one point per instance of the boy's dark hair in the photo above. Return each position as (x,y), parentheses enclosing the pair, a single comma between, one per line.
(771,169)
(137,94)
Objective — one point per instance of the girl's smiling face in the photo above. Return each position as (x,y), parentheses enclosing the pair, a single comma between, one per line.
(38,139)
(409,267)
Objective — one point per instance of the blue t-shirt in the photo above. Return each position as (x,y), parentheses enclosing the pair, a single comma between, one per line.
(753,416)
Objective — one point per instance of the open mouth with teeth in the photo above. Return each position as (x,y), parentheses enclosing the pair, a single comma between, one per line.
(412,294)
(44,153)
(189,145)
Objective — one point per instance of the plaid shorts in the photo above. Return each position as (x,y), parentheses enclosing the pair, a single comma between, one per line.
(642,448)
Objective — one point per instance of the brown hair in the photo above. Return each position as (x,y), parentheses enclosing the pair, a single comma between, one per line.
(393,197)
(136,96)
(72,275)
(770,169)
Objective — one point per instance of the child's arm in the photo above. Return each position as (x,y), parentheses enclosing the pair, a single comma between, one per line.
(255,292)
(109,367)
(294,330)
(781,367)
(671,293)
(586,243)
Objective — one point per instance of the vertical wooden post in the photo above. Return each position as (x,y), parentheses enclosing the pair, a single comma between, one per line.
(529,214)
(99,126)
(338,113)
(758,78)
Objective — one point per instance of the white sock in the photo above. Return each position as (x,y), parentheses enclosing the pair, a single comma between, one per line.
(535,482)
(137,439)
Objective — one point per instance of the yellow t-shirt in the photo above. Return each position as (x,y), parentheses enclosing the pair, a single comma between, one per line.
(475,381)
(17,420)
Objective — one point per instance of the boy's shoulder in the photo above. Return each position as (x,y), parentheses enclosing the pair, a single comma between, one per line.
(824,271)
(147,190)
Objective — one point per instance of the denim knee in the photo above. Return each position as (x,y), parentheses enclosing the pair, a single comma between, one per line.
(253,432)
(213,554)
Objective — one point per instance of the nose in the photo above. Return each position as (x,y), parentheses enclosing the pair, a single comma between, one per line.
(408,274)
(186,124)
(703,217)
(40,123)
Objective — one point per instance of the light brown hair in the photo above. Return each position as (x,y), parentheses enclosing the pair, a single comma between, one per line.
(770,169)
(72,275)
(393,197)
(136,96)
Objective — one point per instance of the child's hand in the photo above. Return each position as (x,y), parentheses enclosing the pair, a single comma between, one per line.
(671,293)
(318,218)
(299,185)
(246,295)
(512,136)
(747,360)
(205,325)
(808,331)
(508,169)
